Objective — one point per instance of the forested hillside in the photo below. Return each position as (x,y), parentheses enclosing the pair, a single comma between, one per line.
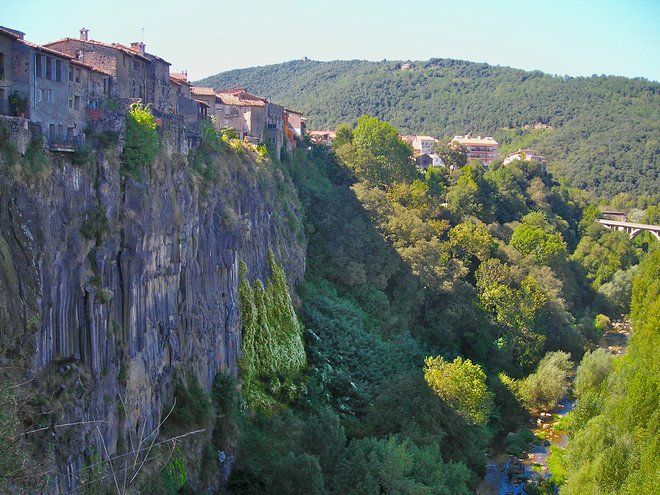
(614,446)
(605,133)
(436,309)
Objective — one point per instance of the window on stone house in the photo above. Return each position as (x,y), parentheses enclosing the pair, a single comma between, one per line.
(40,95)
(51,97)
(76,102)
(49,68)
(124,60)
(70,103)
(2,65)
(58,70)
(78,74)
(70,74)
(38,64)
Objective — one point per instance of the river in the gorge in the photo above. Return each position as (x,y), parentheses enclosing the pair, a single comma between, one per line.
(507,474)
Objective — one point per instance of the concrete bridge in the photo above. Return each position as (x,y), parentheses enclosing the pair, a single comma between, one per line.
(632,229)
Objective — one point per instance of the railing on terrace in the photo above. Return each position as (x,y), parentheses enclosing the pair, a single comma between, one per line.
(66,144)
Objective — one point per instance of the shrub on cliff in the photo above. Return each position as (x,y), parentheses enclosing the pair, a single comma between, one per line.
(273,349)
(140,140)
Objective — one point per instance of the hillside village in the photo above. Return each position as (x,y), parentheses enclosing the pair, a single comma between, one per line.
(74,84)
(68,85)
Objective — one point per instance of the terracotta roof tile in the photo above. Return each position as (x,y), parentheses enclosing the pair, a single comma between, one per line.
(45,49)
(202,91)
(241,98)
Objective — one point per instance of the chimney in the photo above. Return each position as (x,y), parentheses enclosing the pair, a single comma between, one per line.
(138,46)
(84,34)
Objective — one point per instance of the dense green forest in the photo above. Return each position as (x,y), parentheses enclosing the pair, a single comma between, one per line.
(605,135)
(614,446)
(437,310)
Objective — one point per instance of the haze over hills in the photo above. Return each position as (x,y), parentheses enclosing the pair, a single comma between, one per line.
(605,130)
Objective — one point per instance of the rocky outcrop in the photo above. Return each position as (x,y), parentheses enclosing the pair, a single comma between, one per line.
(108,284)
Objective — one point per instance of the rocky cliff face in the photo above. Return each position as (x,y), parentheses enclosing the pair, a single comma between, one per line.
(102,313)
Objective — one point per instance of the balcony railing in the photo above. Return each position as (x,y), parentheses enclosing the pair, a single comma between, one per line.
(65,144)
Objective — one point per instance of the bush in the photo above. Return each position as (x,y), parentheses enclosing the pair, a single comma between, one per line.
(8,149)
(140,141)
(463,385)
(35,160)
(548,384)
(95,225)
(273,349)
(518,443)
(602,323)
(227,404)
(193,406)
(81,157)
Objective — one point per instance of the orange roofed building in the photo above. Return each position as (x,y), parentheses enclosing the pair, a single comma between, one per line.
(484,149)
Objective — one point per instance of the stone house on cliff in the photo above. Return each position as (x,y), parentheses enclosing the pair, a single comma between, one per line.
(48,87)
(135,74)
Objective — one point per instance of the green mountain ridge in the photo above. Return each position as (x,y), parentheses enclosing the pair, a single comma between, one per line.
(605,134)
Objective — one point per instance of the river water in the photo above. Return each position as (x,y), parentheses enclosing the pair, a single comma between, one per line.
(506,474)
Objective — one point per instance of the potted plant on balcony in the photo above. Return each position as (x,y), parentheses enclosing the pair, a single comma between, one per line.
(17,104)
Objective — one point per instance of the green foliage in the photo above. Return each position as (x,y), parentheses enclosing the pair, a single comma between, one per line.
(614,442)
(262,151)
(544,247)
(602,323)
(82,155)
(273,350)
(174,475)
(227,406)
(372,466)
(350,360)
(343,135)
(544,388)
(556,463)
(140,141)
(193,406)
(202,162)
(35,160)
(95,225)
(462,384)
(617,292)
(453,154)
(602,253)
(604,136)
(19,467)
(377,154)
(18,104)
(518,443)
(8,149)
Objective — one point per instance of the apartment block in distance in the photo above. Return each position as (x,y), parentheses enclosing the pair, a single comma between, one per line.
(484,149)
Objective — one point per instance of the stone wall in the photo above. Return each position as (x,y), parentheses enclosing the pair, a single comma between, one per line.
(21,131)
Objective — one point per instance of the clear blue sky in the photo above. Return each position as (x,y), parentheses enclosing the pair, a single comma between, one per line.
(575,37)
